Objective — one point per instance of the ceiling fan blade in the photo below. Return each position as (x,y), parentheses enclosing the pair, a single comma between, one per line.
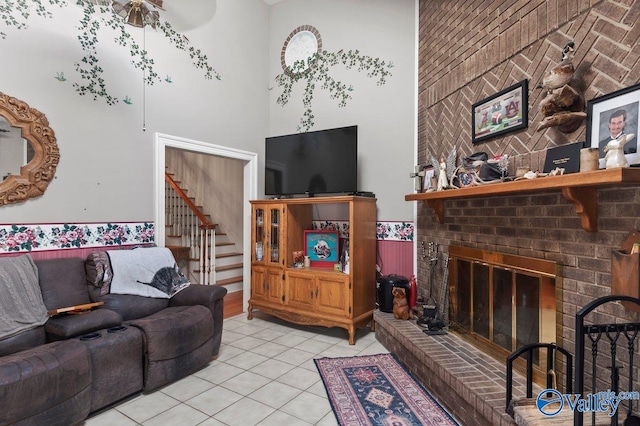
(156,3)
(120,9)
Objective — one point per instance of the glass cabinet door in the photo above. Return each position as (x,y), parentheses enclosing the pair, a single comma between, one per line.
(274,235)
(258,253)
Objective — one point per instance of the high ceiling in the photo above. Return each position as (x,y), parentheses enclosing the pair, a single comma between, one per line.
(271,2)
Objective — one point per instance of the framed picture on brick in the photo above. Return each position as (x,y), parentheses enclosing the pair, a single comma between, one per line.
(427,179)
(612,115)
(504,112)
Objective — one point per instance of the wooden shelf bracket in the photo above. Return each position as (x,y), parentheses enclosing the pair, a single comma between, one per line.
(584,201)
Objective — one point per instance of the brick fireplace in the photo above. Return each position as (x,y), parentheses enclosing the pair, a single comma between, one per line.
(540,225)
(466,57)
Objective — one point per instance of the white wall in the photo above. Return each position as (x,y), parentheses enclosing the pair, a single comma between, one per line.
(106,171)
(385,115)
(106,164)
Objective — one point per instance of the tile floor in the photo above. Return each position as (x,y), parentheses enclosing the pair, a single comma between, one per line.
(264,375)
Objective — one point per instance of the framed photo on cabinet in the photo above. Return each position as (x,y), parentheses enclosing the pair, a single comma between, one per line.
(322,247)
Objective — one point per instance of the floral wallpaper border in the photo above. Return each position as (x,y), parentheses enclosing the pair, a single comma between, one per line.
(386,231)
(39,237)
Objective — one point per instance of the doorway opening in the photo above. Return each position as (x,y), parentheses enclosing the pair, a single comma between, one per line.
(250,184)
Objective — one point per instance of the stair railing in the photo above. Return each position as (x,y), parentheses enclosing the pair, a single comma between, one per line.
(195,229)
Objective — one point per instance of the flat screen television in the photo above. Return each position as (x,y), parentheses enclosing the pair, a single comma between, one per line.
(320,162)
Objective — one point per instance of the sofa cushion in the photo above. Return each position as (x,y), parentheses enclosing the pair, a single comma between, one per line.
(63,282)
(46,385)
(64,326)
(129,307)
(21,305)
(98,271)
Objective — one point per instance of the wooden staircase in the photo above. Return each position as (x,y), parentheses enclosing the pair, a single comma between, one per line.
(213,259)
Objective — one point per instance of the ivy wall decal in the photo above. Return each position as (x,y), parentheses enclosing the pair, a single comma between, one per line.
(99,14)
(315,72)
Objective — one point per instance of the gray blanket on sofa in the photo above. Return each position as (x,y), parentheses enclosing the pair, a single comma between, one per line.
(21,304)
(146,271)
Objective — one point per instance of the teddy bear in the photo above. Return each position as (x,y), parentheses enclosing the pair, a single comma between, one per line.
(400,305)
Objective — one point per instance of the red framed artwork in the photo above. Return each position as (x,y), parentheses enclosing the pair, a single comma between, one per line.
(322,247)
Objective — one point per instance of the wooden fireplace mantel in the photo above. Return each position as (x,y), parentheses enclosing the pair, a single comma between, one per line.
(579,188)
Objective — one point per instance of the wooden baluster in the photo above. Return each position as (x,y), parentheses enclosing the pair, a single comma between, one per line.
(194,240)
(202,255)
(175,215)
(208,257)
(212,257)
(167,215)
(184,235)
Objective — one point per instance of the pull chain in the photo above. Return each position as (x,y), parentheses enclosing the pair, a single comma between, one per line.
(144,80)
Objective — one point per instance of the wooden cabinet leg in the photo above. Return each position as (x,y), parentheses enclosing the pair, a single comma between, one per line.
(249,312)
(352,335)
(372,326)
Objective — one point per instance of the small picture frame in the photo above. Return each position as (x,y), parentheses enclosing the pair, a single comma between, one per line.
(614,112)
(298,258)
(504,112)
(322,247)
(427,181)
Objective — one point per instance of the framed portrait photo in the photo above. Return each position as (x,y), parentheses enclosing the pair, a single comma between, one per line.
(429,173)
(504,112)
(322,247)
(613,114)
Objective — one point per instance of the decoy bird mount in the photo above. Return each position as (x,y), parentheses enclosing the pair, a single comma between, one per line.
(563,107)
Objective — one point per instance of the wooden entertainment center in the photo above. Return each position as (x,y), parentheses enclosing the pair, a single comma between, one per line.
(314,295)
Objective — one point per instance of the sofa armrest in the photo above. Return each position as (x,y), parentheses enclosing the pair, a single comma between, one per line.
(65,326)
(209,296)
(198,294)
(21,341)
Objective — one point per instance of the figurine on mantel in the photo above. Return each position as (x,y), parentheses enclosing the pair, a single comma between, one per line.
(443,182)
(614,152)
(447,167)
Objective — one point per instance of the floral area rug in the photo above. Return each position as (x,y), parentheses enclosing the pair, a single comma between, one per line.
(378,390)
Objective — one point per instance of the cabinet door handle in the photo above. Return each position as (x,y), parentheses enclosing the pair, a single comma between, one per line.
(316,292)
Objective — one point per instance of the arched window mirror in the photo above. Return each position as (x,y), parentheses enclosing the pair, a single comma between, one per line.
(302,43)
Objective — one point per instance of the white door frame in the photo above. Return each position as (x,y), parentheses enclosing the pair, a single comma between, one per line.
(250,192)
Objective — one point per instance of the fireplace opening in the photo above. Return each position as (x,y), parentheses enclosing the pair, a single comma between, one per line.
(501,302)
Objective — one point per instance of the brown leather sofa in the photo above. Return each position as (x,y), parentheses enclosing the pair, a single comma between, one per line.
(76,364)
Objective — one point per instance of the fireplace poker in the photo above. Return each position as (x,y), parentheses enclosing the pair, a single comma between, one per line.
(431,309)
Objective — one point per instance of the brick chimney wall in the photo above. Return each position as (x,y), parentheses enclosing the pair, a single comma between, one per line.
(470,50)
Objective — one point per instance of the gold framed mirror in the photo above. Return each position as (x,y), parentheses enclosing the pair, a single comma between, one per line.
(29,152)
